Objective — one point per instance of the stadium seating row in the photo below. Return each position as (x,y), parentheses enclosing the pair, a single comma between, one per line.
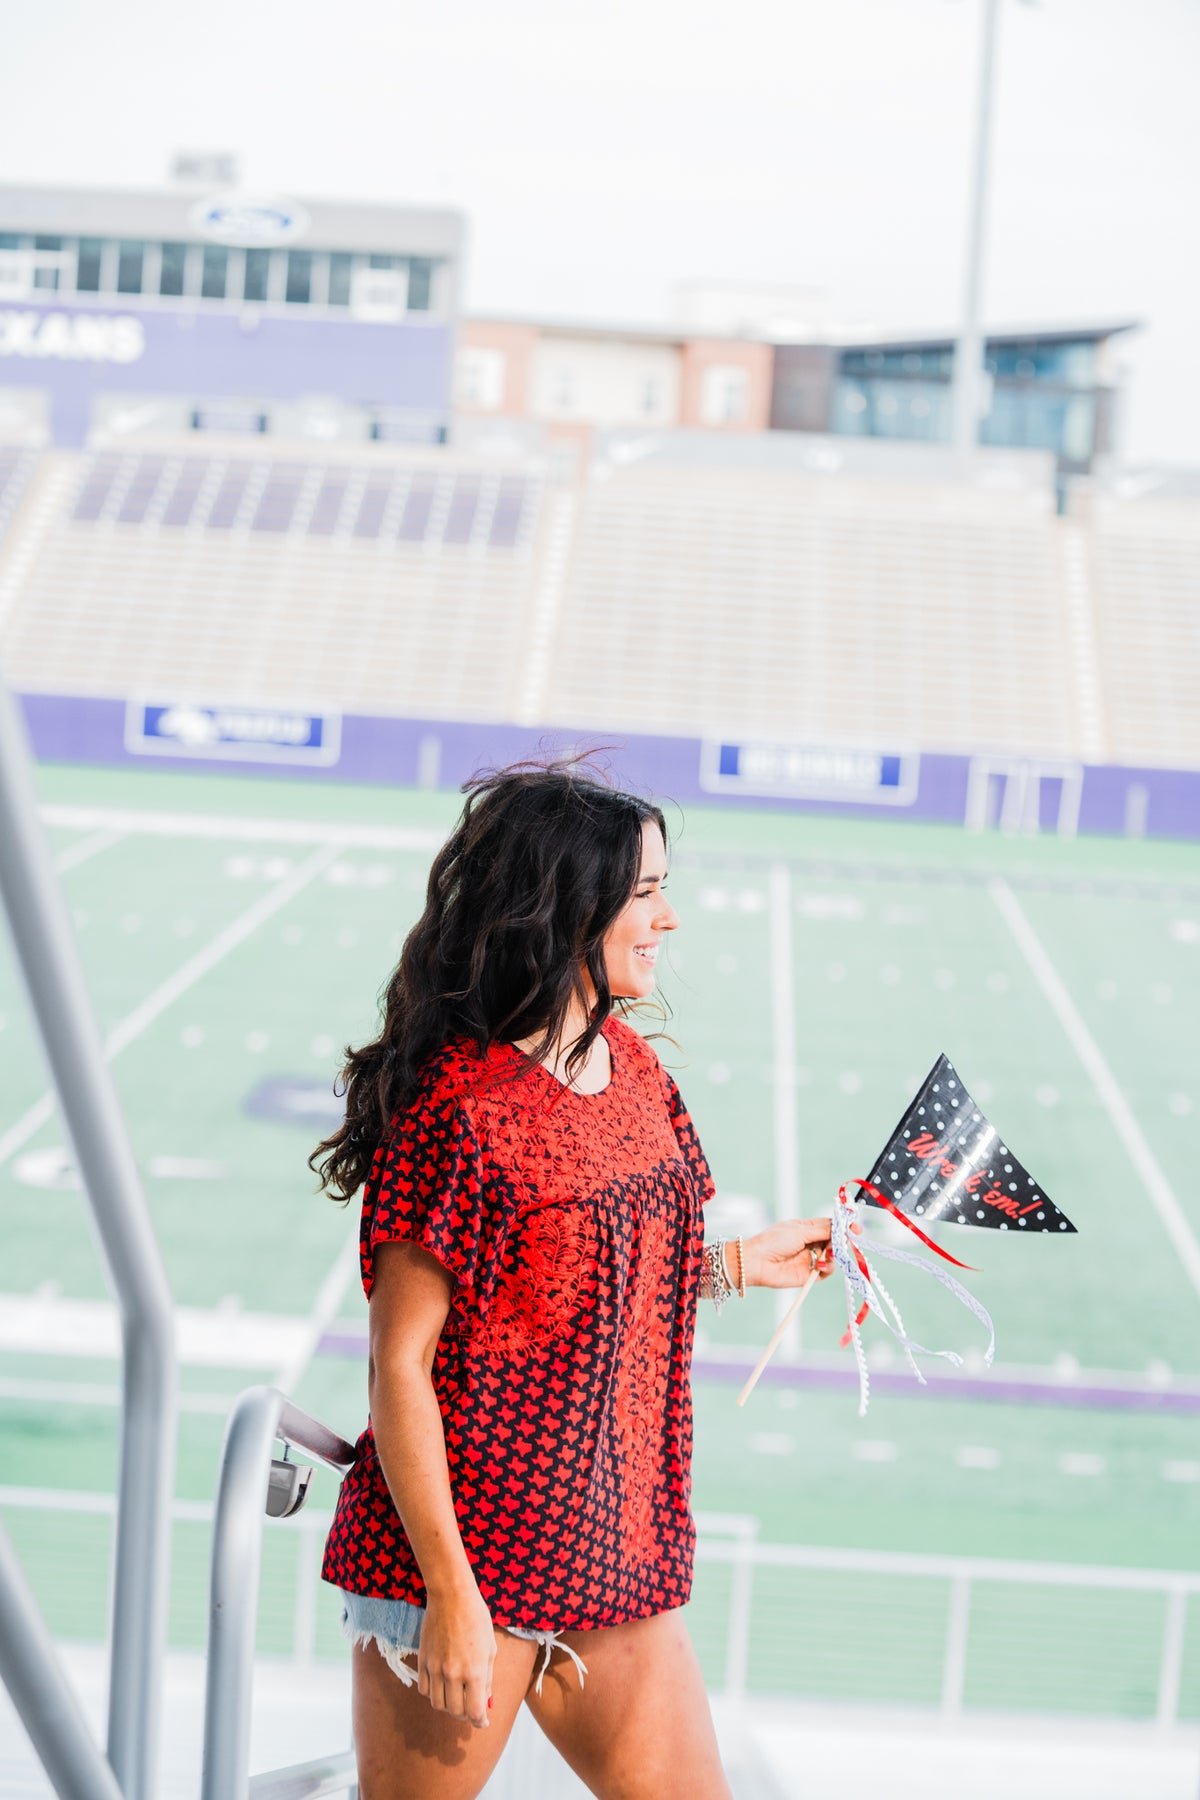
(893,604)
(16,466)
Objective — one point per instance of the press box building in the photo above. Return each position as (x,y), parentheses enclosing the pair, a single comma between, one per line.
(170,310)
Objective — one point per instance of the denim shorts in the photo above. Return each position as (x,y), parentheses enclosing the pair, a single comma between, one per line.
(394,1627)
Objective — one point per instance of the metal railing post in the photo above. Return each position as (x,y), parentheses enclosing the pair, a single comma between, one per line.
(1170,1669)
(53,974)
(259,1416)
(42,1695)
(304,1618)
(233,1592)
(954,1665)
(741,1591)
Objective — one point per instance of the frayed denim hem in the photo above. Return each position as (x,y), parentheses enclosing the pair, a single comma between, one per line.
(391,1624)
(393,1657)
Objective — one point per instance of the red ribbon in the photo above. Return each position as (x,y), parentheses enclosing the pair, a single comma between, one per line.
(904,1219)
(890,1205)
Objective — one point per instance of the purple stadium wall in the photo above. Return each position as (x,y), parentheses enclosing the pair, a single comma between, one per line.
(424,752)
(214,353)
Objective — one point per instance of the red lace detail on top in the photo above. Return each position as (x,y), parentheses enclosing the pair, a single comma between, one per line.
(557,1244)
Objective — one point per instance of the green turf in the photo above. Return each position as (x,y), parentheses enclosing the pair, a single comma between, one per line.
(898,950)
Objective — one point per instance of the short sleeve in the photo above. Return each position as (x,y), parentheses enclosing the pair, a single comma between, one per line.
(689,1144)
(426,1186)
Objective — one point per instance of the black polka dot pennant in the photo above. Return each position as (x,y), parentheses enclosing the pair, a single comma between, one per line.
(947,1164)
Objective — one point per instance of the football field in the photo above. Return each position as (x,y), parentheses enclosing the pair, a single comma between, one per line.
(235,934)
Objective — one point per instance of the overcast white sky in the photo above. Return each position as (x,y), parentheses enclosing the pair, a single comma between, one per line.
(604,152)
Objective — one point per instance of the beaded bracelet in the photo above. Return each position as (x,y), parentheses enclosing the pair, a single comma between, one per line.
(715,1284)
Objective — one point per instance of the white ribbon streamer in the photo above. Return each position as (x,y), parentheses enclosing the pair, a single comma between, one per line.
(868,1290)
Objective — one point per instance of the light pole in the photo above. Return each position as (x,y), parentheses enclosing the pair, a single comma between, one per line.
(967,394)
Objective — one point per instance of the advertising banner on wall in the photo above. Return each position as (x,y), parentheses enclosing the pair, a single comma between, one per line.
(236,733)
(809,772)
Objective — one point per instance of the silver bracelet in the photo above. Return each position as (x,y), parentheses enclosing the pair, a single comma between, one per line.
(715,1284)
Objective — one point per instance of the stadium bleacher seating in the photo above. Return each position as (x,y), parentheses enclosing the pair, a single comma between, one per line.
(799,606)
(17,463)
(1146,576)
(876,594)
(384,585)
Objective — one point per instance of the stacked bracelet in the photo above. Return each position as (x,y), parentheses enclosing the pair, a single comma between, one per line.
(715,1284)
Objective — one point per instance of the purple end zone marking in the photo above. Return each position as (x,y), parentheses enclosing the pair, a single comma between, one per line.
(351,1341)
(968,1387)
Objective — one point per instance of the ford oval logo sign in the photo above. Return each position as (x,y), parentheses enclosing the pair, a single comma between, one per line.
(255,220)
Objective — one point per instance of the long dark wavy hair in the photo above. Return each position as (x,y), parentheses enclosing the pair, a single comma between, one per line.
(520,897)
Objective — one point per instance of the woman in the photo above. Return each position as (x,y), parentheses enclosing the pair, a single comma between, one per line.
(516,1527)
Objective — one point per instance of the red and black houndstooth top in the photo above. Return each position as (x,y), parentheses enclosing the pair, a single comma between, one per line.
(571,1224)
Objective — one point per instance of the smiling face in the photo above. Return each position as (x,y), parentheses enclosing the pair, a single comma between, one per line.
(632,943)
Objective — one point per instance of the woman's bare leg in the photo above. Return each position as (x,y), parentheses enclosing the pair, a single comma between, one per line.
(406,1751)
(640,1729)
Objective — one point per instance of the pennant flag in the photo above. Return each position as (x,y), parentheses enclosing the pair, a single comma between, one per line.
(947,1163)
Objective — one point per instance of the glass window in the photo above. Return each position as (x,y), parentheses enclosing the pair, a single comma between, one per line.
(299,277)
(129,265)
(214,272)
(933,360)
(1078,363)
(340,266)
(1024,419)
(258,271)
(171,269)
(46,275)
(724,394)
(420,283)
(1058,364)
(383,262)
(1079,428)
(87,270)
(10,240)
(892,408)
(479,377)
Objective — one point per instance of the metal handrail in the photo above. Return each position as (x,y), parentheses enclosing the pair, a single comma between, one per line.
(259,1417)
(307,1781)
(41,1693)
(53,973)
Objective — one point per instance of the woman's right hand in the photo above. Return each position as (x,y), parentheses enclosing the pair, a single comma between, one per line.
(457,1654)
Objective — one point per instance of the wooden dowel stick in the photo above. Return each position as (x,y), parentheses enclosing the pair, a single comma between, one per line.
(772,1347)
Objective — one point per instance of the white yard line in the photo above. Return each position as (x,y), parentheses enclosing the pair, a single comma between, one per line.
(84,849)
(1158,1189)
(783,1051)
(224,828)
(216,1337)
(143,1016)
(95,1393)
(329,1298)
